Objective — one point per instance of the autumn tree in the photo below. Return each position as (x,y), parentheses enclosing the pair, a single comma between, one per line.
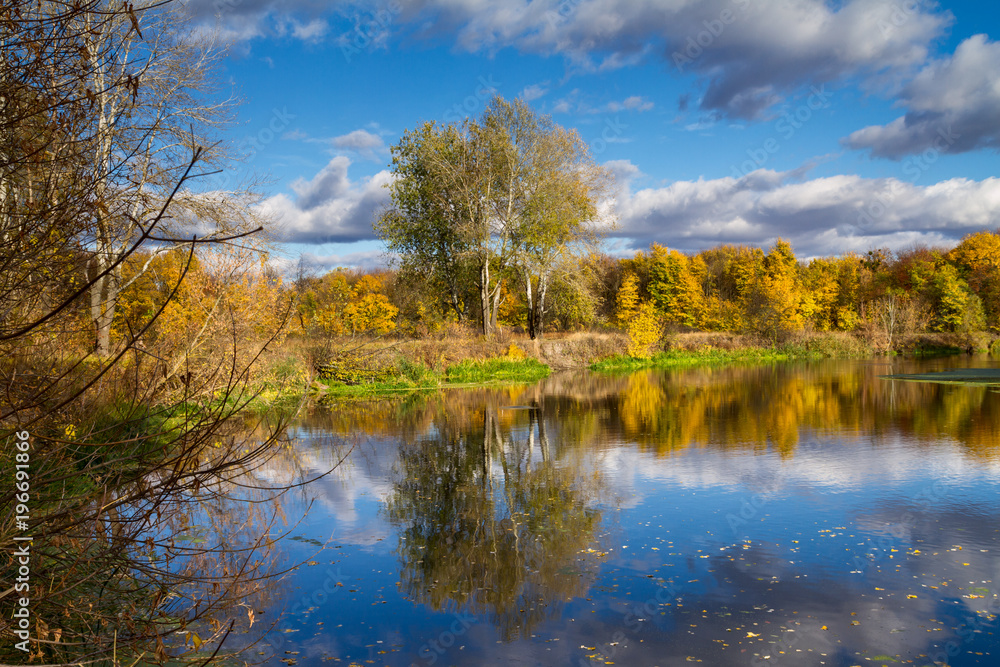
(628,300)
(508,193)
(121,458)
(146,76)
(977,258)
(549,194)
(425,230)
(781,301)
(675,284)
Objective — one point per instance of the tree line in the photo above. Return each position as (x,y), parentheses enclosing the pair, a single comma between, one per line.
(733,288)
(498,220)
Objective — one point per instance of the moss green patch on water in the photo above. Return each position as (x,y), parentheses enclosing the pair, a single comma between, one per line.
(962,376)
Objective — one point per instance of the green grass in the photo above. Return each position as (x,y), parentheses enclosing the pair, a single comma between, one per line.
(408,376)
(497,370)
(710,356)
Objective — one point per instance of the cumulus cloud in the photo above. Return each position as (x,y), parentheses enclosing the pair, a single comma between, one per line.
(362,260)
(750,55)
(330,207)
(240,20)
(365,143)
(822,216)
(951,107)
(306,20)
(624,173)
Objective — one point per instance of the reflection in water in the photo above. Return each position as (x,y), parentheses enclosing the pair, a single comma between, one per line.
(489,524)
(815,512)
(751,407)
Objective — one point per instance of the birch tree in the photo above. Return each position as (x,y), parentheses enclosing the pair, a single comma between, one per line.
(506,197)
(147,78)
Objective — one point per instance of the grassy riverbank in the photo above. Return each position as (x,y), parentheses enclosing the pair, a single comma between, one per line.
(347,379)
(707,357)
(380,367)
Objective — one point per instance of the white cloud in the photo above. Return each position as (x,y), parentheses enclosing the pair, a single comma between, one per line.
(364,143)
(952,107)
(750,54)
(330,207)
(822,216)
(633,103)
(362,260)
(312,31)
(624,172)
(534,91)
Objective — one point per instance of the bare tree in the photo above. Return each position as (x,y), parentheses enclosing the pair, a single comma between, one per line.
(148,79)
(123,467)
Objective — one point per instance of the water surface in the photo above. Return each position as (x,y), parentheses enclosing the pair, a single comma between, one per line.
(795,514)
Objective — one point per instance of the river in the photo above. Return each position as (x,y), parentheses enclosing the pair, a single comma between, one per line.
(791,514)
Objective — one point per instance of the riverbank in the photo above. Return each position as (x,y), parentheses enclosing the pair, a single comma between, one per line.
(346,378)
(376,367)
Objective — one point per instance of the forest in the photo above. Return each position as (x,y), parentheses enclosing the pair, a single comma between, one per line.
(768,293)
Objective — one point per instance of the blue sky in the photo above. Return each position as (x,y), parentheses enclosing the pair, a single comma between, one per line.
(836,125)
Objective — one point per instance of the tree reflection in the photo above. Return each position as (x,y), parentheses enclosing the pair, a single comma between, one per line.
(757,408)
(491,523)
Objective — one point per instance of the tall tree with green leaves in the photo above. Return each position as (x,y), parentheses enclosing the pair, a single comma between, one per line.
(504,196)
(549,197)
(423,228)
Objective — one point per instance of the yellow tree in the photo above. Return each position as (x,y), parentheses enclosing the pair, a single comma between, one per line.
(675,284)
(819,282)
(644,331)
(978,260)
(779,306)
(628,300)
(369,310)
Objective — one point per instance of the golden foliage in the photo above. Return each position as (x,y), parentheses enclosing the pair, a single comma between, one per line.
(644,331)
(628,300)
